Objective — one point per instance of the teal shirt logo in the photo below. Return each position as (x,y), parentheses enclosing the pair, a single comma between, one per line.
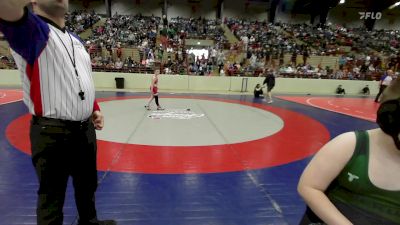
(352,177)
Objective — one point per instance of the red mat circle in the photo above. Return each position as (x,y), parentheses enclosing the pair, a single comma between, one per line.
(300,137)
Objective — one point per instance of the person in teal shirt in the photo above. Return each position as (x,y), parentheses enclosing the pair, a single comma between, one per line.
(355,178)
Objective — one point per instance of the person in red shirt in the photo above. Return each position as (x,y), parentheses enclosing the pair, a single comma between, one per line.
(154,91)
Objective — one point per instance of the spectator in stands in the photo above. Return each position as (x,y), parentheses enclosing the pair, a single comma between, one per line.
(340,90)
(222,72)
(7,62)
(3,62)
(306,55)
(119,51)
(165,21)
(338,74)
(119,64)
(214,56)
(371,68)
(281,58)
(264,42)
(293,58)
(94,62)
(110,64)
(350,75)
(245,40)
(79,21)
(324,73)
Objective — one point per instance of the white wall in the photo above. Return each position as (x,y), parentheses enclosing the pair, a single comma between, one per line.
(238,9)
(10,78)
(220,84)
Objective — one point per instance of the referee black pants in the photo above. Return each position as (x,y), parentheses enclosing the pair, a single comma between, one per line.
(381,89)
(58,152)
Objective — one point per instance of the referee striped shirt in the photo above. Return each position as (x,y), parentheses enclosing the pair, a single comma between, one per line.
(44,54)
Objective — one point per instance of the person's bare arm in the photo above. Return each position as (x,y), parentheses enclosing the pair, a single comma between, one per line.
(12,10)
(320,172)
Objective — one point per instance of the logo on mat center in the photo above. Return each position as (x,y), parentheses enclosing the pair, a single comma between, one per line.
(178,114)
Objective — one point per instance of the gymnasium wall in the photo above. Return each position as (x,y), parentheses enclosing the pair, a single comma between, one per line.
(134,7)
(350,17)
(241,9)
(390,19)
(183,8)
(141,82)
(345,16)
(98,6)
(205,9)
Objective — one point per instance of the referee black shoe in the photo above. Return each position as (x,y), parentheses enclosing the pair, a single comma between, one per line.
(99,222)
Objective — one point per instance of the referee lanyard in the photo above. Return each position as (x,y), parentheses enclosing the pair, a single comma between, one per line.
(73,61)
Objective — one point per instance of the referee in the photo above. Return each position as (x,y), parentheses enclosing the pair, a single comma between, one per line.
(384,83)
(59,92)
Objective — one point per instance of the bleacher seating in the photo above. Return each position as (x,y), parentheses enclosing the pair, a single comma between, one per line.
(242,47)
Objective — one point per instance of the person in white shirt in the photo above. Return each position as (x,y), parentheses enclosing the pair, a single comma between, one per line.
(384,83)
(119,64)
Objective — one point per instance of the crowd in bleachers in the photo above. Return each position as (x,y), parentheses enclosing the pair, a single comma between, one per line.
(350,66)
(79,21)
(269,38)
(329,39)
(161,42)
(177,30)
(322,40)
(264,45)
(127,31)
(383,41)
(7,62)
(123,31)
(371,51)
(199,28)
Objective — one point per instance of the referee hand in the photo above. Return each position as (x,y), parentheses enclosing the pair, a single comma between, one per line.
(98,120)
